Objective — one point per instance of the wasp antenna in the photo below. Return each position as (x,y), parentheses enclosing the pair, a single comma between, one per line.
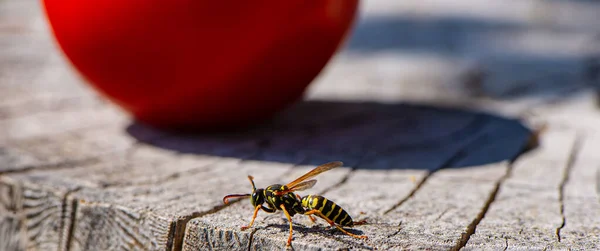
(252,182)
(231,196)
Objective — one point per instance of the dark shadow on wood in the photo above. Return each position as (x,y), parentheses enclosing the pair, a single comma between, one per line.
(324,231)
(362,135)
(315,229)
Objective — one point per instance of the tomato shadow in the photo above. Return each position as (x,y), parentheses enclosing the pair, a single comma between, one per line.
(363,135)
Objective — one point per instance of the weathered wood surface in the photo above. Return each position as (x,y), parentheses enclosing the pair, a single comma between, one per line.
(527,211)
(408,105)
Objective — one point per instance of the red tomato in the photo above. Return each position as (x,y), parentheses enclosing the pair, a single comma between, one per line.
(200,63)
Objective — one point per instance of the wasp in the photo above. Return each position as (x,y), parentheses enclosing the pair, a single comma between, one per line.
(283,197)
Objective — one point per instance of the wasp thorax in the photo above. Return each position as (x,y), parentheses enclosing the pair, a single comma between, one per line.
(257,197)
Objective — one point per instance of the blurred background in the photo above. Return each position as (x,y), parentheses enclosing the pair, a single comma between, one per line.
(456,52)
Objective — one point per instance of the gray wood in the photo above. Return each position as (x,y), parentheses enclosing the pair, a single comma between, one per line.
(80,145)
(527,210)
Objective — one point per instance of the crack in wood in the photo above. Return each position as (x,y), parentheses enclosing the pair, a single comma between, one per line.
(449,162)
(181,223)
(63,219)
(251,239)
(442,214)
(465,236)
(456,157)
(411,194)
(71,231)
(577,144)
(340,183)
(343,181)
(177,231)
(346,177)
(210,244)
(397,231)
(170,238)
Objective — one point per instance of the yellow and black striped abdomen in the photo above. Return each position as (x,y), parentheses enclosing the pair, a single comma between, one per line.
(334,212)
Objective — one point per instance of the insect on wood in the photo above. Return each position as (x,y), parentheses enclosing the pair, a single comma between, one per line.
(283,197)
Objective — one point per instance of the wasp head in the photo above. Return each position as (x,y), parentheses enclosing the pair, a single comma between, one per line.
(257,197)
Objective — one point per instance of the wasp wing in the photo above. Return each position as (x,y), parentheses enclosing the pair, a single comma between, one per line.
(298,187)
(316,171)
(303,185)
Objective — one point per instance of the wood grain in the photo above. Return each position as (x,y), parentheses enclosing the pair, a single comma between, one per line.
(11,224)
(109,227)
(10,233)
(36,211)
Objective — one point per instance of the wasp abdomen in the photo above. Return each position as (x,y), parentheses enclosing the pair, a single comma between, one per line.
(328,208)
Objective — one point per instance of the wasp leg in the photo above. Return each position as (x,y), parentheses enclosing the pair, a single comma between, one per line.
(318,213)
(268,209)
(289,241)
(253,217)
(357,223)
